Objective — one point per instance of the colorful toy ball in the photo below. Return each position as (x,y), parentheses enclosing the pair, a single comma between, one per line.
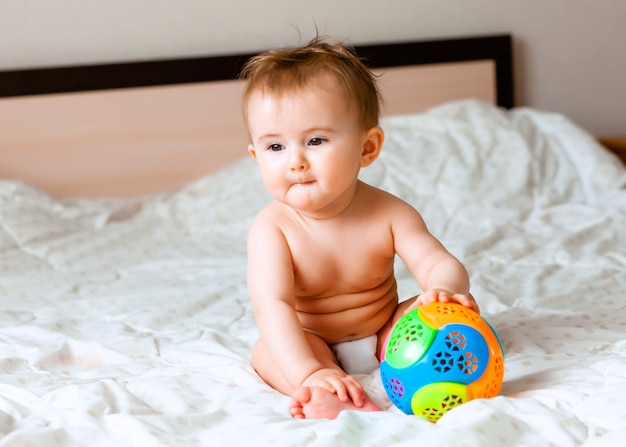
(439,356)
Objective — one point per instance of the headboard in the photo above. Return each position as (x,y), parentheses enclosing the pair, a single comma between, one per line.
(135,128)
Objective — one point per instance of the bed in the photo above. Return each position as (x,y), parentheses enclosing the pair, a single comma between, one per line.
(125,199)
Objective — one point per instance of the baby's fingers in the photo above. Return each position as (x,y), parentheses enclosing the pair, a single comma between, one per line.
(467,301)
(427,298)
(461,299)
(444,297)
(338,387)
(347,389)
(355,391)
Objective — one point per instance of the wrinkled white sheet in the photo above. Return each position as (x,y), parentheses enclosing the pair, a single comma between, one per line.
(127,322)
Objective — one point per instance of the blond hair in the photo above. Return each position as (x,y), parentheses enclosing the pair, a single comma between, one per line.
(286,70)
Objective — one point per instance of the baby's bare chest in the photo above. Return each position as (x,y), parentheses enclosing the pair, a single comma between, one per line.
(341,262)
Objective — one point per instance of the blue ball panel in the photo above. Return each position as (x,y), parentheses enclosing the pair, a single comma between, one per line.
(400,385)
(459,353)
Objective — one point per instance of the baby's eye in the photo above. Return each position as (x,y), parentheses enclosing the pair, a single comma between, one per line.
(275,147)
(316,141)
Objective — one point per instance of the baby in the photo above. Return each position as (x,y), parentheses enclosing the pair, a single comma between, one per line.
(320,255)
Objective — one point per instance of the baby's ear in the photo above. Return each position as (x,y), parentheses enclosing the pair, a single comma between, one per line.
(372,145)
(251,150)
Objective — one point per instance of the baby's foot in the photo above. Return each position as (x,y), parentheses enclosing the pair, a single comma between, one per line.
(318,403)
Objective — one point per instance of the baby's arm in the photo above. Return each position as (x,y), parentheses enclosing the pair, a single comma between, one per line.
(270,281)
(270,278)
(439,274)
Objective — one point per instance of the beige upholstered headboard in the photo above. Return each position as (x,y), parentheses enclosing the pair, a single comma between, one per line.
(113,141)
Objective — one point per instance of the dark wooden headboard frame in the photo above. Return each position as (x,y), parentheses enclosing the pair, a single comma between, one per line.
(216,68)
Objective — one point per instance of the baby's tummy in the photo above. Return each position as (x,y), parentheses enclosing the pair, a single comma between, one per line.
(359,317)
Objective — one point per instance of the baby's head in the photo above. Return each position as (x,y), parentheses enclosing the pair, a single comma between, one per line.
(286,71)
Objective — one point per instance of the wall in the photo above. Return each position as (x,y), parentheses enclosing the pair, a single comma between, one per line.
(569,54)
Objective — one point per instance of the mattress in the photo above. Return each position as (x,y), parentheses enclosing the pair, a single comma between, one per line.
(126,322)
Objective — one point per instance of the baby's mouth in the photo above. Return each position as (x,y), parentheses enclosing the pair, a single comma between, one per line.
(304,182)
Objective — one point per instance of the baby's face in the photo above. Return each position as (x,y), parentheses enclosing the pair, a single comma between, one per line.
(308,146)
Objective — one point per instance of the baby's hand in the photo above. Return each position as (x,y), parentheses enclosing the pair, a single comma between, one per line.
(443,296)
(338,382)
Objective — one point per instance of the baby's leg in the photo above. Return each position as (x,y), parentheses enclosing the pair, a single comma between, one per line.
(307,402)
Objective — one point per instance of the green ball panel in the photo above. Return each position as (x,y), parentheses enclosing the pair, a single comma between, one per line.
(434,400)
(408,341)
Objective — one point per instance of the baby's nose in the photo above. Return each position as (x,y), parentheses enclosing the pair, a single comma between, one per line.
(298,161)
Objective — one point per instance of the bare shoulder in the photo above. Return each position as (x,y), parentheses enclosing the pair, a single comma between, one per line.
(268,217)
(400,216)
(265,226)
(376,197)
(267,245)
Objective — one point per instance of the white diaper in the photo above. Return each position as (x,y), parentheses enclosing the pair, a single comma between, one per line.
(357,356)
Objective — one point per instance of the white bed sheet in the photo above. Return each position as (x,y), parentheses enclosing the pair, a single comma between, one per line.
(127,322)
